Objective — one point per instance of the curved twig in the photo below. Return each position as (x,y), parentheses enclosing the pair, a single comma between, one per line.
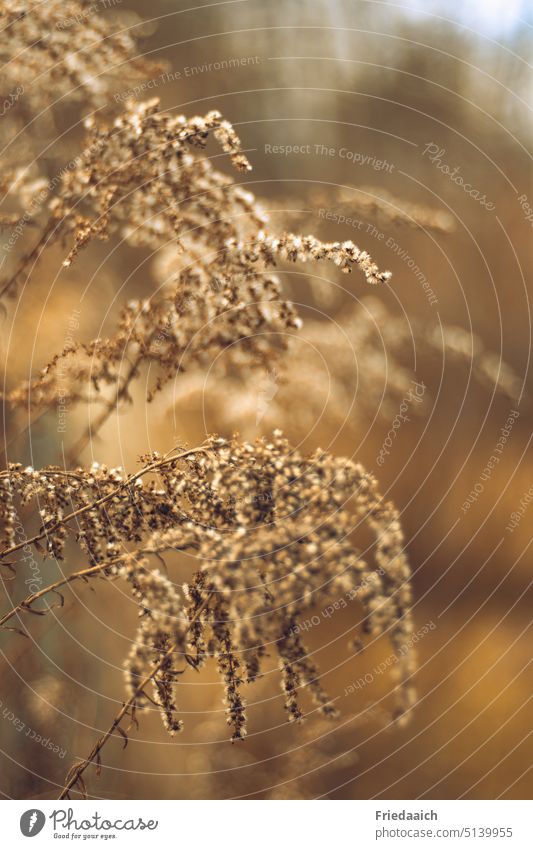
(151,467)
(33,254)
(26,603)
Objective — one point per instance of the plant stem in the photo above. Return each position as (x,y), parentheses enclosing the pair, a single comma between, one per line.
(83,573)
(78,771)
(101,419)
(151,467)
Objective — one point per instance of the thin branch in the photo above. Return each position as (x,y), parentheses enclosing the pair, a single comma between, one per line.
(76,773)
(27,602)
(94,428)
(33,254)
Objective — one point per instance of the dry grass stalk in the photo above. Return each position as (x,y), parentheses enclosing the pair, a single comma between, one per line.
(273,530)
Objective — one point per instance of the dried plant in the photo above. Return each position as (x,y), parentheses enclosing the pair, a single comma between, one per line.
(55,56)
(300,766)
(55,51)
(135,175)
(273,532)
(364,357)
(139,176)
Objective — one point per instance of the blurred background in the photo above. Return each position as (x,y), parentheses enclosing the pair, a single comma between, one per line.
(348,111)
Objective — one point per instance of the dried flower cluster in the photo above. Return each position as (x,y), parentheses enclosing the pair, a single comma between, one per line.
(54,55)
(219,294)
(66,49)
(160,629)
(273,531)
(289,766)
(342,373)
(139,175)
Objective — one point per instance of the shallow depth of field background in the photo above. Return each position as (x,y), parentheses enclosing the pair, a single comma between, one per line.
(379,79)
